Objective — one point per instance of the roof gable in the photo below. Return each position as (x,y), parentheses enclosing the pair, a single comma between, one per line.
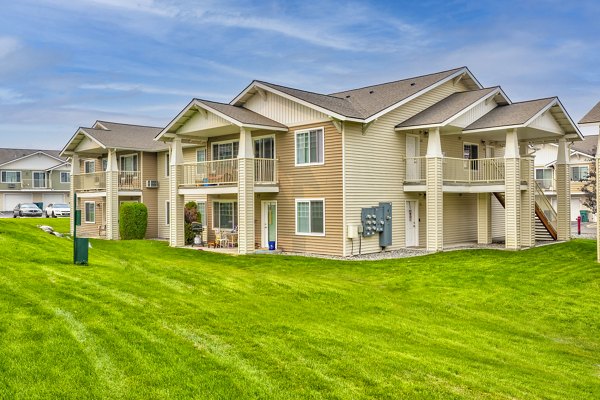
(38,160)
(592,117)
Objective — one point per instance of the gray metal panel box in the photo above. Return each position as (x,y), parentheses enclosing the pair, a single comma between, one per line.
(384,217)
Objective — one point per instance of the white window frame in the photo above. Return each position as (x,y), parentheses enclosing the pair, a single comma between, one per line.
(85,207)
(551,179)
(33,173)
(296,133)
(68,174)
(167,213)
(104,164)
(132,155)
(213,144)
(580,166)
(19,176)
(204,217)
(308,200)
(235,213)
(167,164)
(85,164)
(199,151)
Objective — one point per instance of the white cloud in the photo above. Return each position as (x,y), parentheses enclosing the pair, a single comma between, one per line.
(8,45)
(11,97)
(149,89)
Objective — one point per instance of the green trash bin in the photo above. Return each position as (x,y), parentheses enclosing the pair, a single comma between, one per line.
(80,251)
(584,215)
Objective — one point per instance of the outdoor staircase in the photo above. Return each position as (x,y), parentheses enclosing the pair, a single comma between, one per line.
(545,215)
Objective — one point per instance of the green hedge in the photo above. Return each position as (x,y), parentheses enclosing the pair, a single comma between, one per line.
(133,220)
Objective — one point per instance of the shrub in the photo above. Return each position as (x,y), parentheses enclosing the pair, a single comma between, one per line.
(191,215)
(133,220)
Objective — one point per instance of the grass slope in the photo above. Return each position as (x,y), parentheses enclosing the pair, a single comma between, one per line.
(147,321)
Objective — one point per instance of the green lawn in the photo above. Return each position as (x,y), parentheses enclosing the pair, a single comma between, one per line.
(147,321)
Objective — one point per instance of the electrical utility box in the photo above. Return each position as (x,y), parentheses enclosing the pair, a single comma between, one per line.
(378,221)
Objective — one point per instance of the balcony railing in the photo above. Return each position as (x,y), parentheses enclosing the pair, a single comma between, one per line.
(89,182)
(129,180)
(416,169)
(225,172)
(35,184)
(458,170)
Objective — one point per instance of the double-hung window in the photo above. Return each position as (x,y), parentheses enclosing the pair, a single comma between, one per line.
(89,166)
(310,147)
(543,176)
(225,215)
(129,163)
(11,176)
(65,177)
(310,217)
(579,173)
(225,151)
(39,179)
(90,212)
(200,155)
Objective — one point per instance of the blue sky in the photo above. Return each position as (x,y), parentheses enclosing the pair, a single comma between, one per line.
(67,63)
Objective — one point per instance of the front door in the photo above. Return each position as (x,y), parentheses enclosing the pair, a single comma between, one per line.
(413,165)
(269,223)
(412,223)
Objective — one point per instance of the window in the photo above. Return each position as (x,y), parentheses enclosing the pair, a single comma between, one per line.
(39,179)
(104,164)
(11,176)
(129,163)
(89,166)
(310,217)
(264,147)
(225,151)
(167,213)
(201,155)
(579,173)
(225,215)
(65,177)
(90,212)
(543,176)
(202,212)
(167,164)
(310,147)
(471,152)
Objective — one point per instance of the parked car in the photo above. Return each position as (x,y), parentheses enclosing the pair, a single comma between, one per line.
(27,210)
(57,210)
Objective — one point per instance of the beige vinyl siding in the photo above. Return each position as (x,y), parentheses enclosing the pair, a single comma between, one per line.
(163,193)
(200,121)
(498,222)
(150,196)
(283,110)
(92,230)
(460,218)
(375,169)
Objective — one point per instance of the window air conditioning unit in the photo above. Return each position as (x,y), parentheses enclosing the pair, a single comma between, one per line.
(151,184)
(12,185)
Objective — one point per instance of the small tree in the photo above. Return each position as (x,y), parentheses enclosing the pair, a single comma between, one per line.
(191,214)
(590,190)
(133,220)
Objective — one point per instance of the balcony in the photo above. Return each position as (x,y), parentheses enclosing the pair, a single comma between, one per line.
(459,172)
(96,181)
(129,180)
(217,173)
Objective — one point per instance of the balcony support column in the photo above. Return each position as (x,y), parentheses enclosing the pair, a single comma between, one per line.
(528,204)
(435,194)
(246,234)
(484,218)
(512,167)
(563,191)
(74,171)
(112,196)
(177,221)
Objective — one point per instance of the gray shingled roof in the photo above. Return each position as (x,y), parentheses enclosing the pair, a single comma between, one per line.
(365,102)
(446,108)
(124,136)
(241,114)
(587,145)
(7,155)
(512,114)
(593,116)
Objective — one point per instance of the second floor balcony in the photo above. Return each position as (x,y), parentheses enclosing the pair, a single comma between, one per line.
(97,181)
(226,173)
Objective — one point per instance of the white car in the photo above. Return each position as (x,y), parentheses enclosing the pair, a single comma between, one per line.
(55,210)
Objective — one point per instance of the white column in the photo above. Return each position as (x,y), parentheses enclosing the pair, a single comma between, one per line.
(435,194)
(528,203)
(177,227)
(75,170)
(484,218)
(563,191)
(112,196)
(512,193)
(246,234)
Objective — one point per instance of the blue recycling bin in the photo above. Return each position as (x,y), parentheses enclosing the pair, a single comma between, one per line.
(271,245)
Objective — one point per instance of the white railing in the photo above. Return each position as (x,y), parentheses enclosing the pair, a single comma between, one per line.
(479,170)
(266,171)
(35,184)
(543,203)
(129,180)
(209,173)
(89,182)
(416,169)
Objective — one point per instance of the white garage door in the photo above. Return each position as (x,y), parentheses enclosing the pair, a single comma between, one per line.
(11,200)
(53,198)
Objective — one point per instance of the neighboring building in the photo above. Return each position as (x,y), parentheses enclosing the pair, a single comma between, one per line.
(304,169)
(581,162)
(32,176)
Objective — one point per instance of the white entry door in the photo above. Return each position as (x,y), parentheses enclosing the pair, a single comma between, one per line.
(269,223)
(413,165)
(412,223)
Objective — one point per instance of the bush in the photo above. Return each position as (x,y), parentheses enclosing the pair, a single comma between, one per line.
(191,215)
(133,220)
